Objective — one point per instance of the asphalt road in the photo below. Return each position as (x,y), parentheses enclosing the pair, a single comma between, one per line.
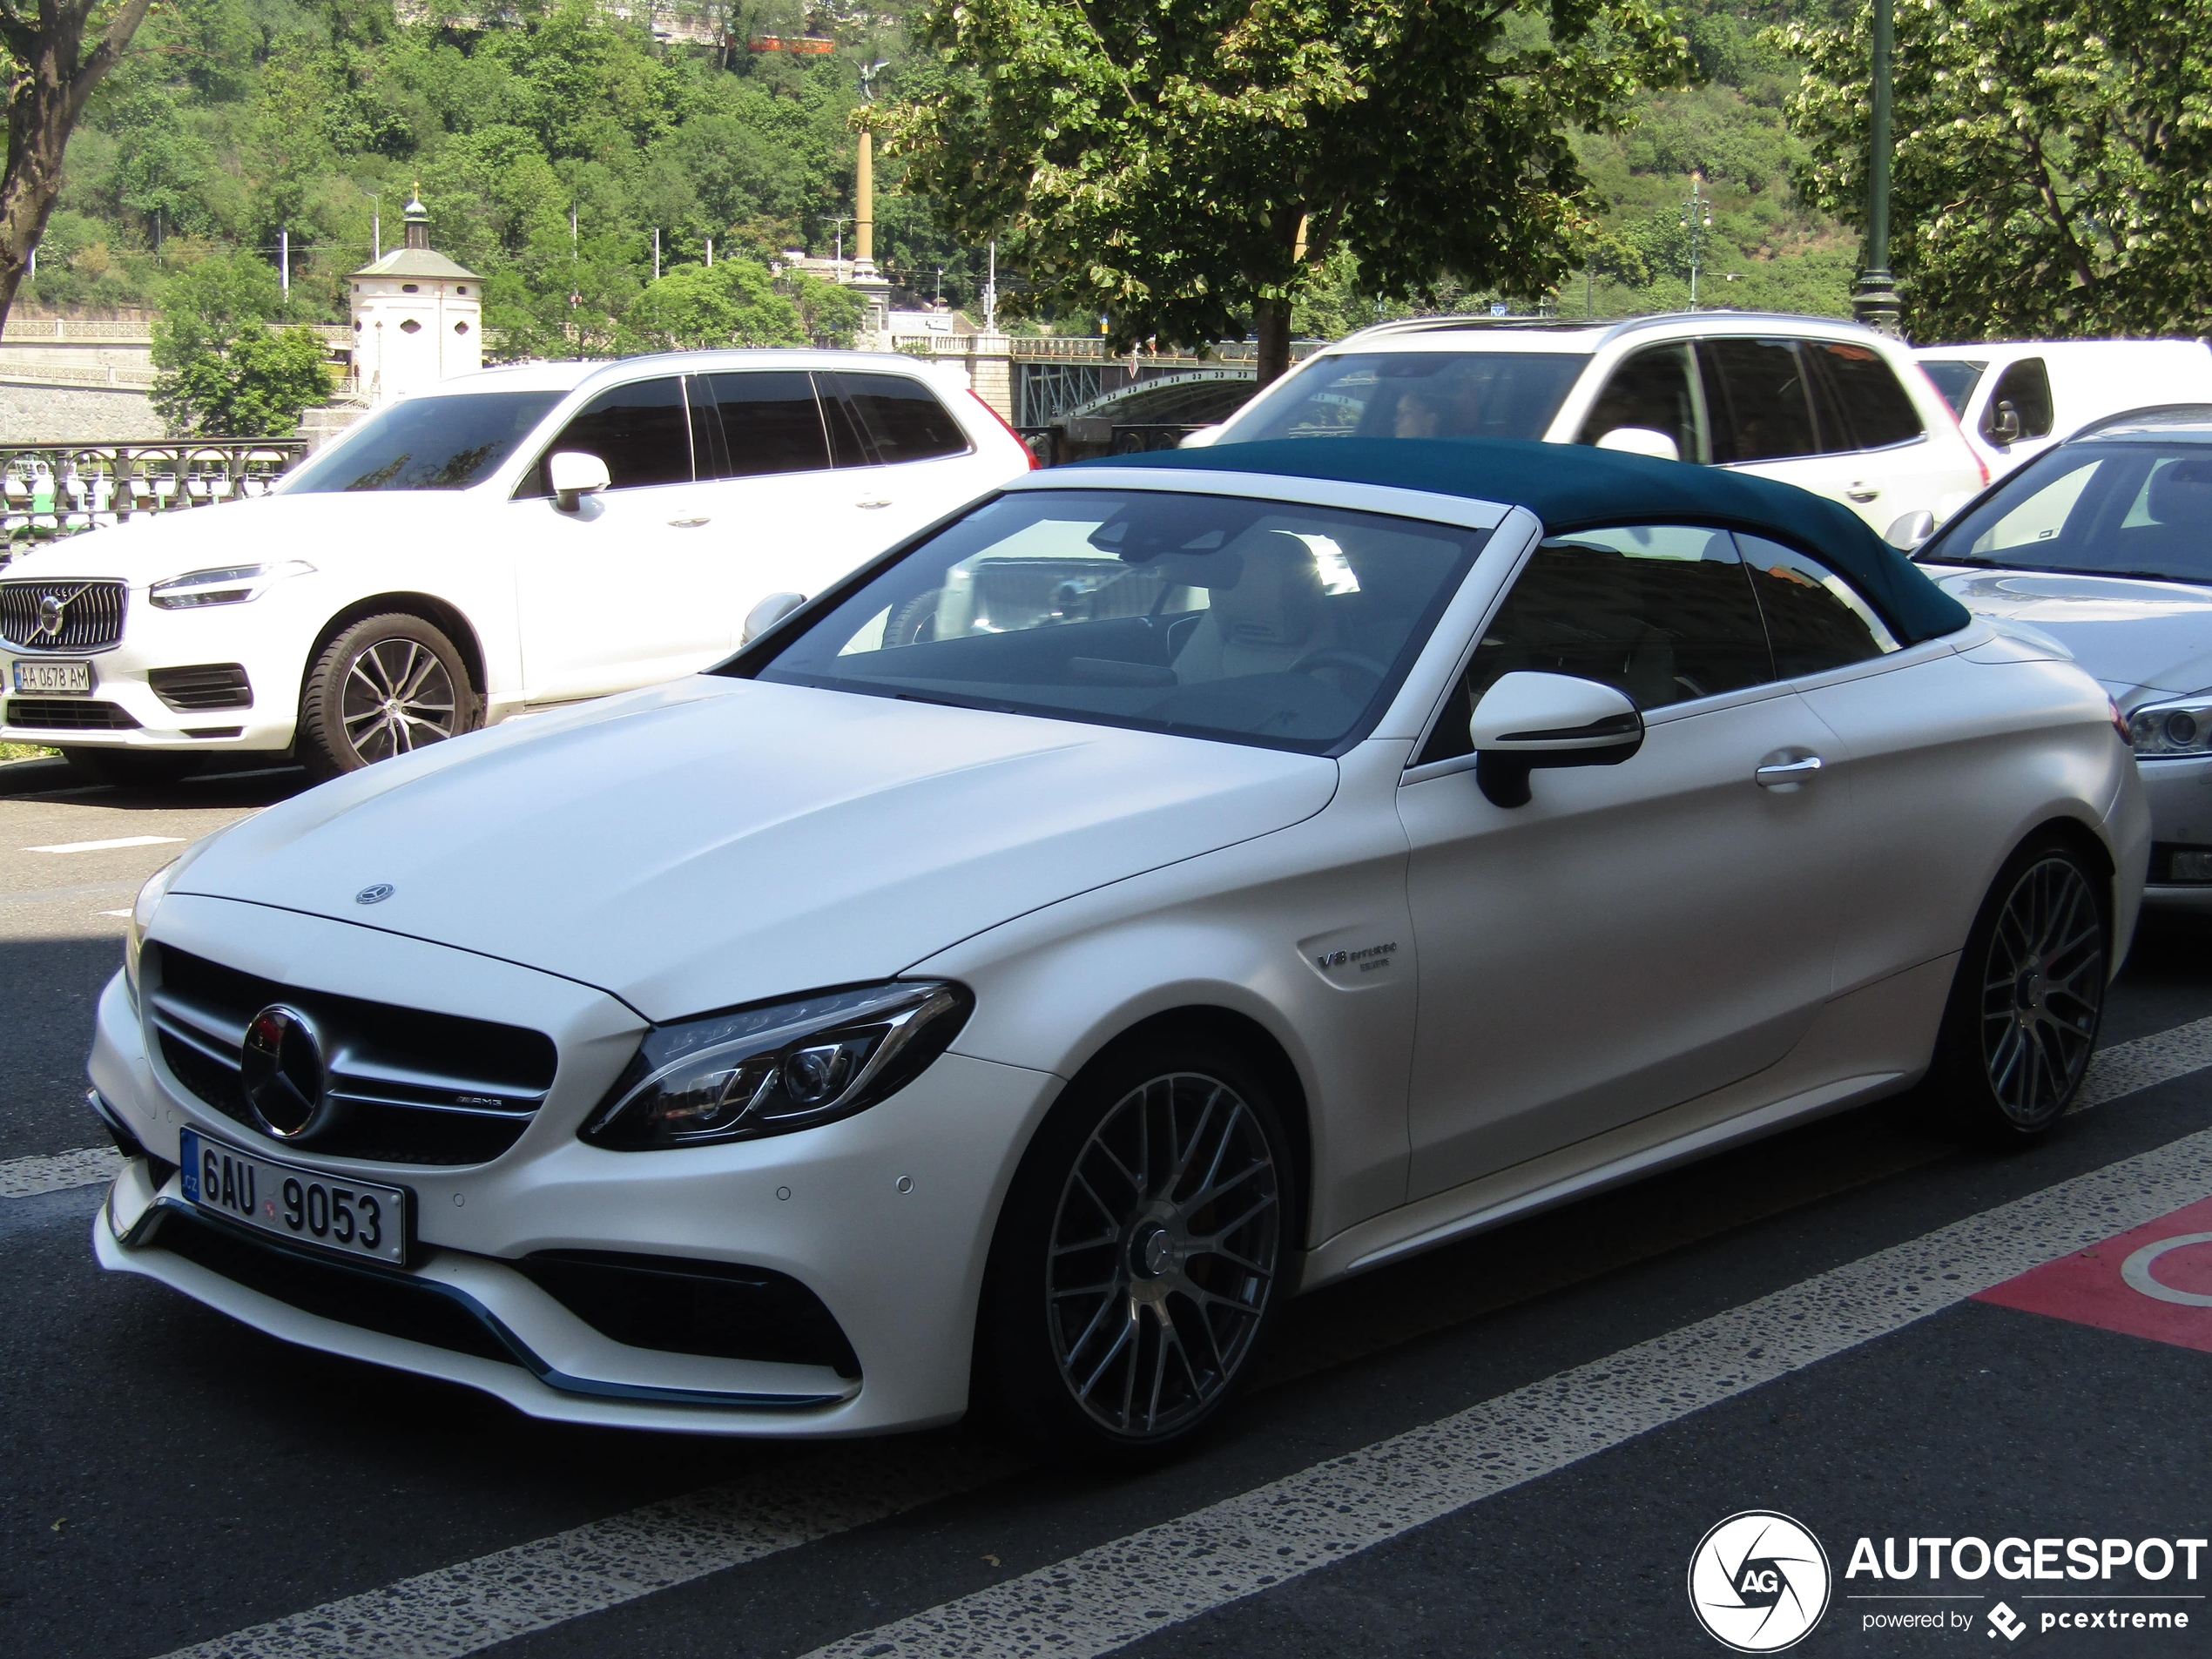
(1511,1447)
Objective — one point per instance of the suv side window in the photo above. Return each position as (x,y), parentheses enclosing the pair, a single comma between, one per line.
(770,423)
(1756,389)
(1663,612)
(1862,407)
(2026,385)
(848,446)
(902,418)
(642,431)
(1655,389)
(1815,618)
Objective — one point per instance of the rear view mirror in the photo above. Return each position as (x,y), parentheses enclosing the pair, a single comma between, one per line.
(1640,441)
(1527,720)
(574,476)
(1909,530)
(765,615)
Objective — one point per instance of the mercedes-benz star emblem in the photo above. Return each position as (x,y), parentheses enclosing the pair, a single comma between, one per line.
(281,1069)
(376,895)
(53,612)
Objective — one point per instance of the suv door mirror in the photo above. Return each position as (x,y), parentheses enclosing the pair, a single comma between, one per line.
(2003,425)
(1909,530)
(1640,441)
(765,615)
(574,476)
(1527,720)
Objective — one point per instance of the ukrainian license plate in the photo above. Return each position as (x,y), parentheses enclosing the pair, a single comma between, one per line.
(54,679)
(305,1206)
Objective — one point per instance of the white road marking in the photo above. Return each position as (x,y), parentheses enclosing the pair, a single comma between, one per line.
(58,1171)
(458,1611)
(103,847)
(1105,1598)
(111,912)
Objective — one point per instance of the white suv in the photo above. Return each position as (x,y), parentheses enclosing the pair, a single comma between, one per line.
(1831,406)
(514,538)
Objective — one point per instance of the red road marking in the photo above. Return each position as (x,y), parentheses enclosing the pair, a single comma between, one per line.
(2091,1286)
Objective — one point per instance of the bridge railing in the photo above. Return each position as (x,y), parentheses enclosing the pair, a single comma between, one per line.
(54,489)
(1081,348)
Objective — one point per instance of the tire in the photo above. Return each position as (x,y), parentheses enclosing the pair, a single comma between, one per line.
(385,686)
(129,768)
(2028,998)
(1110,1334)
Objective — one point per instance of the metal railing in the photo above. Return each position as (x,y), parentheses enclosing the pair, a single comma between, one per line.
(54,489)
(1079,348)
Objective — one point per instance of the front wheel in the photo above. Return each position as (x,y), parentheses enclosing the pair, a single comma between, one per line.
(1140,1257)
(385,686)
(2028,997)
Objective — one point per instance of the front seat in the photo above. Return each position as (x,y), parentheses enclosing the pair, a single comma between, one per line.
(1271,617)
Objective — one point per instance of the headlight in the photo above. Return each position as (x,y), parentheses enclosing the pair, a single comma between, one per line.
(787,1066)
(233,586)
(149,901)
(2181,727)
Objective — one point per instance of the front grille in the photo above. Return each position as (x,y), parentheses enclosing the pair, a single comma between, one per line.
(675,1305)
(90,615)
(209,685)
(66,714)
(408,1086)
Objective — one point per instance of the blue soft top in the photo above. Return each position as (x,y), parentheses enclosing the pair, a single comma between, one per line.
(1572,486)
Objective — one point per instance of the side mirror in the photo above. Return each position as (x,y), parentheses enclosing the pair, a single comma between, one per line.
(1529,720)
(1909,530)
(2003,423)
(1640,441)
(765,615)
(574,476)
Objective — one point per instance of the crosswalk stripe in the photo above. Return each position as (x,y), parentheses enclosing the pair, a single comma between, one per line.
(58,1171)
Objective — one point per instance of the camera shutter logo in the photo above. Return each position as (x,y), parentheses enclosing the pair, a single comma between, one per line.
(1759,1581)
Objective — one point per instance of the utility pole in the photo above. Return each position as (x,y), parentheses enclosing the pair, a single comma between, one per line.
(1876,299)
(284,264)
(655,252)
(940,285)
(710,253)
(991,291)
(1697,214)
(572,233)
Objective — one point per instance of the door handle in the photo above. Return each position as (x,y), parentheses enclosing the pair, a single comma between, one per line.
(1788,774)
(691,523)
(1863,491)
(872,505)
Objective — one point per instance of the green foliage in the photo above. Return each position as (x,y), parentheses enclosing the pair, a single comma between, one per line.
(2049,173)
(695,306)
(224,371)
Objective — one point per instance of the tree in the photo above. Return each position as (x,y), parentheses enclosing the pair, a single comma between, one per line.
(224,372)
(696,307)
(54,72)
(1183,166)
(2050,164)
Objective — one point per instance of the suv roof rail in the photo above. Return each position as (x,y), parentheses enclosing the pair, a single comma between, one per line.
(1614,328)
(2151,415)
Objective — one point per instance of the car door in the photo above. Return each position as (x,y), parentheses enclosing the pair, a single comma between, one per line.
(1657,389)
(784,512)
(635,585)
(1638,934)
(1872,433)
(903,459)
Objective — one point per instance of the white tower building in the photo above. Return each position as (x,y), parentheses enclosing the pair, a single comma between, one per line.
(418,317)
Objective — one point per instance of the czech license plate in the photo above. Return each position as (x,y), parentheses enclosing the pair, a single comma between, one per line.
(305,1206)
(54,679)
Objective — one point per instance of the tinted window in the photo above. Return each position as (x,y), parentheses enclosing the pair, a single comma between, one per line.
(848,447)
(1862,405)
(1955,378)
(1813,616)
(1416,395)
(902,418)
(1654,389)
(641,431)
(1247,620)
(1755,392)
(1663,612)
(2134,509)
(2026,386)
(770,423)
(427,443)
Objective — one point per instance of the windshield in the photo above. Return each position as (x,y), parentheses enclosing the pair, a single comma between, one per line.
(1249,621)
(2123,508)
(438,443)
(1415,394)
(1955,378)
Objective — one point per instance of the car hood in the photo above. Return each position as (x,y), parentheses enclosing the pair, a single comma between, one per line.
(718,842)
(154,548)
(2138,639)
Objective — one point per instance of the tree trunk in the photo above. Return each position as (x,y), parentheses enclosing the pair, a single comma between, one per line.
(1271,322)
(53,77)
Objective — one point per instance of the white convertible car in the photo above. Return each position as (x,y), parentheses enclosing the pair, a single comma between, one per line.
(1166,888)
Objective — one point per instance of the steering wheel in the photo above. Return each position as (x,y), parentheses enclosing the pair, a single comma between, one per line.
(1336,656)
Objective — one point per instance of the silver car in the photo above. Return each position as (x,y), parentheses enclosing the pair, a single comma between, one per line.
(2101,549)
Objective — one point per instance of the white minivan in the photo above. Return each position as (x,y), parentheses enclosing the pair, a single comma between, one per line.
(506,541)
(2014,401)
(1829,406)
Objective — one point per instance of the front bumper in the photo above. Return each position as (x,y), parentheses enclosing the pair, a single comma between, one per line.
(885,1218)
(2179,794)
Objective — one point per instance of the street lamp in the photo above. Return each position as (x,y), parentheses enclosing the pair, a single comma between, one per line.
(1697,216)
(1875,302)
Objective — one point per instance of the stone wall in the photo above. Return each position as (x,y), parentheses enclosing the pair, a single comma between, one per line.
(55,415)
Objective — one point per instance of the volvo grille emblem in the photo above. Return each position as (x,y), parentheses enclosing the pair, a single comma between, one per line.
(281,1070)
(53,612)
(376,895)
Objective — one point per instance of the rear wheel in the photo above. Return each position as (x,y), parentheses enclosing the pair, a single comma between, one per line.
(385,686)
(2028,997)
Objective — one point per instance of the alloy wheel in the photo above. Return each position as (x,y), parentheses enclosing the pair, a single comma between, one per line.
(2043,990)
(1164,1250)
(398,697)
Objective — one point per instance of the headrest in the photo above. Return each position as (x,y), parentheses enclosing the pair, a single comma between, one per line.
(2180,493)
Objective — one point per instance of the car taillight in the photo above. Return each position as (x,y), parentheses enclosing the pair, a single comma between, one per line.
(1006,427)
